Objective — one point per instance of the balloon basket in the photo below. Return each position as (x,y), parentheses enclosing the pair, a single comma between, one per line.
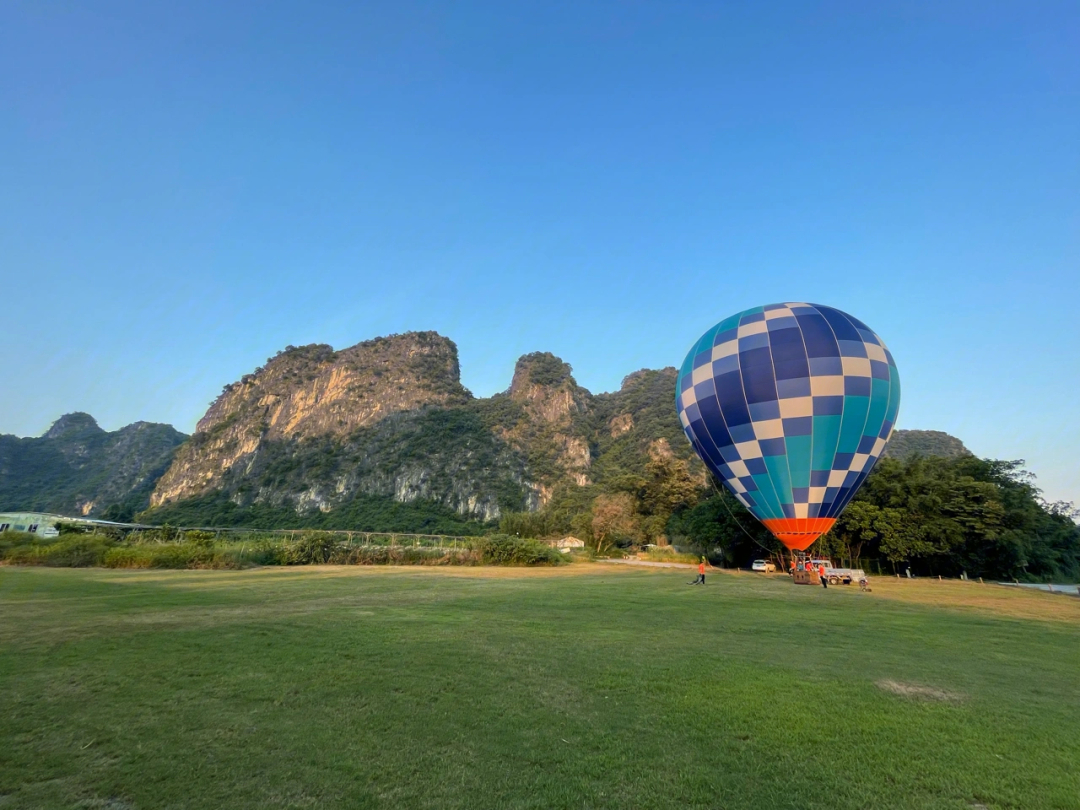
(800,577)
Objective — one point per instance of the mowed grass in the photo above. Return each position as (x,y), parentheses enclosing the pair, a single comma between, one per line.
(584,687)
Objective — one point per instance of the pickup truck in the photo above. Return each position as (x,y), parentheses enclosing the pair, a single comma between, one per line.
(837,576)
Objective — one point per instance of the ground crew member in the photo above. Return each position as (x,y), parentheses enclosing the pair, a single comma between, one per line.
(792,567)
(824,579)
(700,573)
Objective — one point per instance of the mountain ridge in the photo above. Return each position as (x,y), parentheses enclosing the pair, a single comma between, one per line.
(328,435)
(76,468)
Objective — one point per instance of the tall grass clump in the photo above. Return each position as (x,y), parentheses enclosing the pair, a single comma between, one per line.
(502,549)
(667,554)
(317,548)
(403,555)
(172,555)
(169,548)
(65,551)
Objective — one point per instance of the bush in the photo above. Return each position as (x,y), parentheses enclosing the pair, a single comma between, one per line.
(667,554)
(199,550)
(174,555)
(65,551)
(402,555)
(10,540)
(501,549)
(310,548)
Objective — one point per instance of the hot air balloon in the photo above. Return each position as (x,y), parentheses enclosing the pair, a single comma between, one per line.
(790,406)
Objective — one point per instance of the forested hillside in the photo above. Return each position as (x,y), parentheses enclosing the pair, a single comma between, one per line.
(77,468)
(450,463)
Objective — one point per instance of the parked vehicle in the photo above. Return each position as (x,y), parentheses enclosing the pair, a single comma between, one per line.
(839,576)
(763,565)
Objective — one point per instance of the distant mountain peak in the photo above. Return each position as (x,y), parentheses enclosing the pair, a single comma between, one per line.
(544,384)
(907,443)
(77,468)
(72,423)
(540,368)
(645,374)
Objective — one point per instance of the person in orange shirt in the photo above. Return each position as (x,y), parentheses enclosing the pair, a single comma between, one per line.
(700,573)
(791,567)
(824,579)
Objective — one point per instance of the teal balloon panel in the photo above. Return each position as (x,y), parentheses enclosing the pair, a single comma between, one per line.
(790,405)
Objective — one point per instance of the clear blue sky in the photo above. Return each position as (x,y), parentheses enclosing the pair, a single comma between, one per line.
(186,188)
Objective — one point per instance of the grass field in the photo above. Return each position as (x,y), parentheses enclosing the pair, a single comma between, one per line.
(582,687)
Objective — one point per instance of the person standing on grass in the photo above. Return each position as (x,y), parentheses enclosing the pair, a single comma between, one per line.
(822,577)
(700,573)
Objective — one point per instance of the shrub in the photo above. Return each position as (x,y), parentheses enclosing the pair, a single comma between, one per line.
(199,550)
(200,538)
(66,551)
(667,554)
(10,540)
(501,549)
(173,555)
(310,548)
(401,555)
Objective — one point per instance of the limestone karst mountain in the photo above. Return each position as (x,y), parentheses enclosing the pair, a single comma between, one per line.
(311,394)
(907,443)
(77,468)
(322,433)
(378,435)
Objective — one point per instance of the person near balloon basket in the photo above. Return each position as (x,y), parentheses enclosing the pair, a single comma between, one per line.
(824,579)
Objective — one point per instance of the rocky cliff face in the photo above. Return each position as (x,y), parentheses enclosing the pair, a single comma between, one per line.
(317,431)
(308,393)
(555,419)
(78,469)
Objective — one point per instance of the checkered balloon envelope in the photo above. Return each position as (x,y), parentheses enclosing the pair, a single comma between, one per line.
(790,405)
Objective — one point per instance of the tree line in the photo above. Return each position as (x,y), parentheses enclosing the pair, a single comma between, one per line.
(934,515)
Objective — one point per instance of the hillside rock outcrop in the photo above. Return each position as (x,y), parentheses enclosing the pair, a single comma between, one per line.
(555,425)
(313,392)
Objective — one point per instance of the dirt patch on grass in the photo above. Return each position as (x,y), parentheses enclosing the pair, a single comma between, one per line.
(919,691)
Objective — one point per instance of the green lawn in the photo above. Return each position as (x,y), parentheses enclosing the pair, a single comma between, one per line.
(588,686)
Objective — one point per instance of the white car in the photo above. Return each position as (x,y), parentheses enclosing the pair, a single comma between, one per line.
(763,565)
